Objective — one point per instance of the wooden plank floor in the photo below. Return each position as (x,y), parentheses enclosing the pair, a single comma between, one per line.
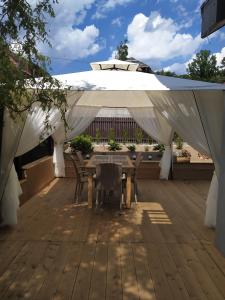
(159,249)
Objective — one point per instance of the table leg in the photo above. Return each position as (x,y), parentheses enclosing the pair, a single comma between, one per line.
(90,190)
(128,198)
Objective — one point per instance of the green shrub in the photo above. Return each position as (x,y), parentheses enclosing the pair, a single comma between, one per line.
(178,141)
(113,145)
(82,143)
(138,135)
(159,147)
(97,135)
(111,135)
(131,148)
(146,148)
(125,135)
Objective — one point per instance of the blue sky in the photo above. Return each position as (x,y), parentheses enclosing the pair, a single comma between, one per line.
(162,33)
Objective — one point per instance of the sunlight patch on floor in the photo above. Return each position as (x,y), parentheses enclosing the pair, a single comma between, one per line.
(157,214)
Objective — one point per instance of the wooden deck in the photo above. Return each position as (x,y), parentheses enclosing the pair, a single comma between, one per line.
(159,249)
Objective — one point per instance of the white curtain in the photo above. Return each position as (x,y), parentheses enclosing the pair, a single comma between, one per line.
(78,119)
(165,163)
(155,125)
(9,191)
(34,130)
(10,200)
(20,136)
(208,102)
(211,203)
(180,110)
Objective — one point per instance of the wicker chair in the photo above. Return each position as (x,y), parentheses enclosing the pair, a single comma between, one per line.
(109,179)
(81,176)
(80,159)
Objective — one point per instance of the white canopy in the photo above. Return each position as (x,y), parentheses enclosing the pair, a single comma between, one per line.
(132,81)
(159,104)
(114,64)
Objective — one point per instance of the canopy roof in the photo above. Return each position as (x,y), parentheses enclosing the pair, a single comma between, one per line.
(114,64)
(132,81)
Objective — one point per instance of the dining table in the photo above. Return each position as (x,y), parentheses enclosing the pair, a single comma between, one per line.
(127,168)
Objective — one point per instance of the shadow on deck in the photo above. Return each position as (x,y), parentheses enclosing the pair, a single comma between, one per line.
(159,249)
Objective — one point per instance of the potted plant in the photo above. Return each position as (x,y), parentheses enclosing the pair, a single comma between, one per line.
(114,146)
(132,149)
(160,148)
(82,143)
(178,142)
(183,156)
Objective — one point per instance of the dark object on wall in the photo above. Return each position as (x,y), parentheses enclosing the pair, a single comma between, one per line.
(44,149)
(213,16)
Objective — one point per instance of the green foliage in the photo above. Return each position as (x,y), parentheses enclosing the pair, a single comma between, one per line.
(131,148)
(222,67)
(146,148)
(125,135)
(97,135)
(122,51)
(21,27)
(203,67)
(113,145)
(166,73)
(178,141)
(138,135)
(82,143)
(159,147)
(111,134)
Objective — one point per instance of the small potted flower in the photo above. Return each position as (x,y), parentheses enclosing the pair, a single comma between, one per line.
(132,149)
(183,156)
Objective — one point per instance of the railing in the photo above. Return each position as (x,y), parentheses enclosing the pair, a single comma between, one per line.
(123,129)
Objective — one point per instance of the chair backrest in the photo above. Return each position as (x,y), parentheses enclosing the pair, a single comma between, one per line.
(80,158)
(138,161)
(109,176)
(75,165)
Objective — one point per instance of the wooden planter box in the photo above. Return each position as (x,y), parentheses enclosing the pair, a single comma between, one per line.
(181,159)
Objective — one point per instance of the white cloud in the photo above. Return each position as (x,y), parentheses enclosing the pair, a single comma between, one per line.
(221,36)
(109,4)
(67,40)
(220,56)
(104,6)
(117,21)
(78,43)
(177,68)
(181,10)
(197,10)
(156,38)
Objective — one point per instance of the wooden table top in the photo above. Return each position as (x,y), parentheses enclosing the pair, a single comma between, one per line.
(124,160)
